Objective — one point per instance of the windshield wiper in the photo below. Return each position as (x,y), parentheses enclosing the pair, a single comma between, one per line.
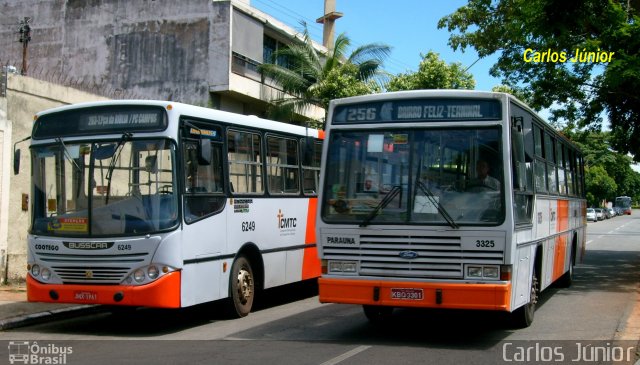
(112,164)
(395,190)
(67,154)
(443,212)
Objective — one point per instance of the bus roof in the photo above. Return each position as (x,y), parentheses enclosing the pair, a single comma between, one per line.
(197,112)
(444,93)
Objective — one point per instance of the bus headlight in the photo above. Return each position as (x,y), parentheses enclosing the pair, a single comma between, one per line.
(343,267)
(35,270)
(474,271)
(45,274)
(490,272)
(487,272)
(147,274)
(153,272)
(139,275)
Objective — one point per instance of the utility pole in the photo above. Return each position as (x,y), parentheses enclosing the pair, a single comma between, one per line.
(25,38)
(328,20)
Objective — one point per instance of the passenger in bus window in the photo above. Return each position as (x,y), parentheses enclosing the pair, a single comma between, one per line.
(370,186)
(483,179)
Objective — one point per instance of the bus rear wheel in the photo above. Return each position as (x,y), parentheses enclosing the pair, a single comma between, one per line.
(241,287)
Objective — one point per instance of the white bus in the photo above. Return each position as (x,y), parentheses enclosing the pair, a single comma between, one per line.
(446,199)
(162,204)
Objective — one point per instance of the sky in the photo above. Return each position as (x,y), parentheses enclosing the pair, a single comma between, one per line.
(410,27)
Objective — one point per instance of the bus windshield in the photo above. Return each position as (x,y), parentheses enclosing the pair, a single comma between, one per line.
(440,176)
(119,187)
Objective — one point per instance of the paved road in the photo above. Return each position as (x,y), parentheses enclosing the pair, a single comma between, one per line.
(293,328)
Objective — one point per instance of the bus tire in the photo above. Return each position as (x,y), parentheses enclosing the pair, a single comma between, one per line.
(377,314)
(242,287)
(566,279)
(523,316)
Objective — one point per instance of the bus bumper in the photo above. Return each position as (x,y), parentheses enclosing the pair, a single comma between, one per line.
(489,296)
(162,293)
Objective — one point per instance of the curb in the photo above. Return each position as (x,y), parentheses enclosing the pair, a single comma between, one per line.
(52,315)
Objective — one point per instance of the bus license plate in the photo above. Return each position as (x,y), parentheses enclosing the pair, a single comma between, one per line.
(407,294)
(85,296)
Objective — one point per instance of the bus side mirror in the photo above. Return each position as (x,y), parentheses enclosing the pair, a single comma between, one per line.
(16,155)
(204,152)
(16,162)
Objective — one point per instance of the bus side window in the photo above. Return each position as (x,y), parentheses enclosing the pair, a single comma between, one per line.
(203,182)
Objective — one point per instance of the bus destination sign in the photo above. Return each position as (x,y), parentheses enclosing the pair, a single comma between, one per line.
(107,121)
(419,110)
(124,118)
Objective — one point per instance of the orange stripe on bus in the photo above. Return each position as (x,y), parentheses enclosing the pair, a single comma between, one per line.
(310,260)
(561,241)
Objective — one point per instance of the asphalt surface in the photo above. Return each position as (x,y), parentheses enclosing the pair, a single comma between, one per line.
(16,311)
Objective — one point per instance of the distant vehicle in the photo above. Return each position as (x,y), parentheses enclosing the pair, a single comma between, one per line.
(591,215)
(599,213)
(612,212)
(624,203)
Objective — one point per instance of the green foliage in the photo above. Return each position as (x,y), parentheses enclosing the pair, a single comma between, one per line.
(599,184)
(600,159)
(313,78)
(520,94)
(433,73)
(580,92)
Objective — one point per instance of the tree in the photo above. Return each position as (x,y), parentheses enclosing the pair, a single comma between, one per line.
(313,78)
(600,186)
(536,41)
(433,73)
(597,152)
(519,94)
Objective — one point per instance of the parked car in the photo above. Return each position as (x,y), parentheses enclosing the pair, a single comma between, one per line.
(591,215)
(599,213)
(612,212)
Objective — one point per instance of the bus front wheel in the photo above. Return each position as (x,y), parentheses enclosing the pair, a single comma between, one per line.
(377,314)
(523,316)
(241,286)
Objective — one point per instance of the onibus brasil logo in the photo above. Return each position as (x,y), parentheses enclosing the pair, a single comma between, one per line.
(26,352)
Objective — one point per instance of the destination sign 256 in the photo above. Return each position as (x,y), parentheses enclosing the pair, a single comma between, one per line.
(436,109)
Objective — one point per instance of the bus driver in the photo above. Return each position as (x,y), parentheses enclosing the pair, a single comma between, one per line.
(483,178)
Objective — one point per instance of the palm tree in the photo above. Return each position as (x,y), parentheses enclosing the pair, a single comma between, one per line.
(313,78)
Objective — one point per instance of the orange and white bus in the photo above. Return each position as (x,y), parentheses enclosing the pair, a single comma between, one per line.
(162,204)
(446,199)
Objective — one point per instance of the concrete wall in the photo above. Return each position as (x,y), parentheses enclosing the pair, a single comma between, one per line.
(25,97)
(159,49)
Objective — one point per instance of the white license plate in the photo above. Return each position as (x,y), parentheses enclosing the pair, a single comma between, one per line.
(407,294)
(86,296)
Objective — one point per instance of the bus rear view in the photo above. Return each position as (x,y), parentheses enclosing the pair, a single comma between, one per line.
(415,206)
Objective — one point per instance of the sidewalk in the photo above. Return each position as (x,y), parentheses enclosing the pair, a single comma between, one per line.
(15,311)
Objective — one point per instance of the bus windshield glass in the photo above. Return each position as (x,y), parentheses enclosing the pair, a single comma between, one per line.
(92,189)
(439,176)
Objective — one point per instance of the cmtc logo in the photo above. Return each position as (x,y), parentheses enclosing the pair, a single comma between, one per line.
(284,223)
